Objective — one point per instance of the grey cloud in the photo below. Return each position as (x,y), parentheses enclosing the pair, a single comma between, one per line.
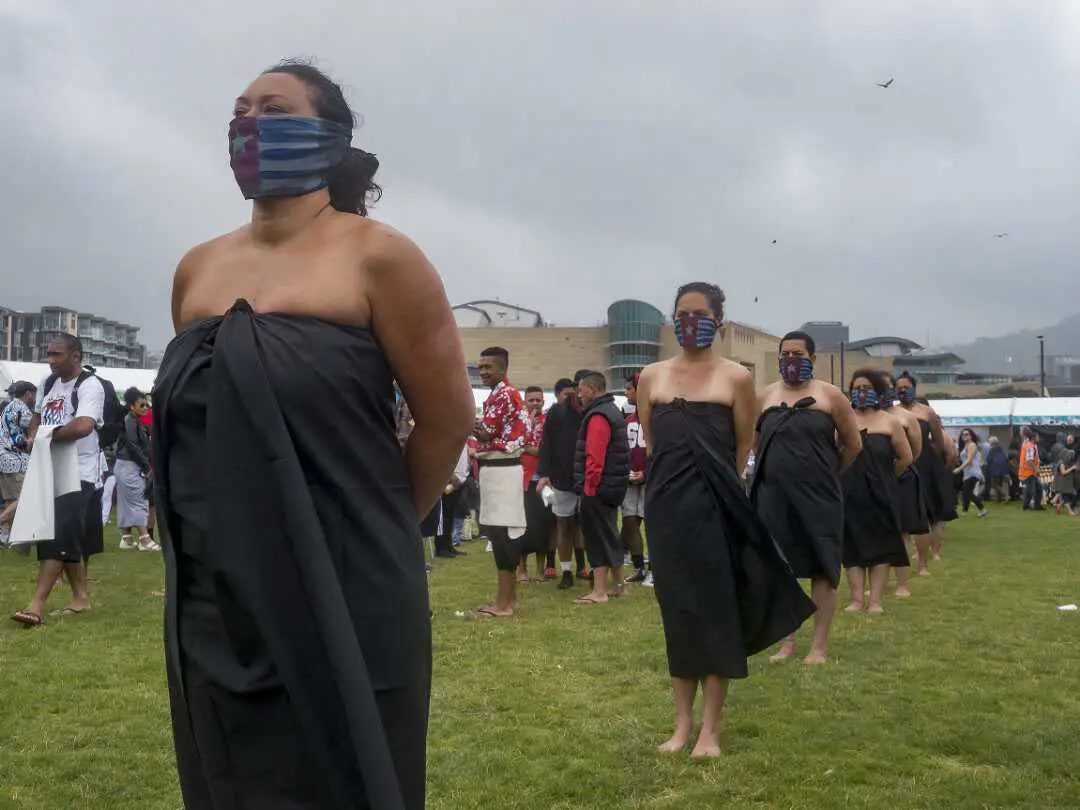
(568,154)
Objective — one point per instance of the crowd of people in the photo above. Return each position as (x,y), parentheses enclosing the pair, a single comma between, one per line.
(297,619)
(72,403)
(858,481)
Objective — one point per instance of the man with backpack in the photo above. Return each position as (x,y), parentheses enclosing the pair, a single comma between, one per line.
(72,402)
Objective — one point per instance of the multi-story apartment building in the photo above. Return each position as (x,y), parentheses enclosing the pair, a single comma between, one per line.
(24,337)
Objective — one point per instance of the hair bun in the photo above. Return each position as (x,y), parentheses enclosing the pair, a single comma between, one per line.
(352,182)
(366,161)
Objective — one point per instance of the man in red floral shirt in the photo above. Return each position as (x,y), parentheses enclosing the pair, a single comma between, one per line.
(501,434)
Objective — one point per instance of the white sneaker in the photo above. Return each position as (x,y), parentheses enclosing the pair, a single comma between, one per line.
(488,546)
(127,544)
(146,544)
(648,583)
(5,538)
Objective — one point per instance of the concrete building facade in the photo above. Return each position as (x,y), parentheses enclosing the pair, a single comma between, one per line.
(636,334)
(24,337)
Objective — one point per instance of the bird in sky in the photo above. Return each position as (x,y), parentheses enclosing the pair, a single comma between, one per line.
(887,84)
(1001,235)
(755,299)
(774,241)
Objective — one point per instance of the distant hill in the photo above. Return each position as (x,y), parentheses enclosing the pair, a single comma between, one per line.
(1018,353)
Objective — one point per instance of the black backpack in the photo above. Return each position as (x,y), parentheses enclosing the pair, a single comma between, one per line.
(112,413)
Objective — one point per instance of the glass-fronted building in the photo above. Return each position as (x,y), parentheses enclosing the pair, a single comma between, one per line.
(633,338)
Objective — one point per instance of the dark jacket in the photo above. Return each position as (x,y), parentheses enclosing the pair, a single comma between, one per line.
(558,444)
(616,476)
(134,443)
(997,463)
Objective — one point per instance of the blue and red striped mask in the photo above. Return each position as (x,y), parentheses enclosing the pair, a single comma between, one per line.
(285,155)
(695,331)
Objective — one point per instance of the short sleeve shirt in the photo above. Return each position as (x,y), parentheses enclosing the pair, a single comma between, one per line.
(505,418)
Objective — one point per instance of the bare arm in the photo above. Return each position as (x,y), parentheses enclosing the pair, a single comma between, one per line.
(35,423)
(78,428)
(644,406)
(847,428)
(411,318)
(940,440)
(901,447)
(745,408)
(914,435)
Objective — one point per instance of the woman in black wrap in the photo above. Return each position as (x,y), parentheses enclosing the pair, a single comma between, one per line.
(724,589)
(807,436)
(297,626)
(933,465)
(873,538)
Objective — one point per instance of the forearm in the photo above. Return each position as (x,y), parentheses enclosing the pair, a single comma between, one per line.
(71,432)
(848,454)
(431,455)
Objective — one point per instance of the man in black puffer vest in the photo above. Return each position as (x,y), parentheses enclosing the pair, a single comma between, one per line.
(601,476)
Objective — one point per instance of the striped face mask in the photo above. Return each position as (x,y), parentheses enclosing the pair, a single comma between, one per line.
(285,155)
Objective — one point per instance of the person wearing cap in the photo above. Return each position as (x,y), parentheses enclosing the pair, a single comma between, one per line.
(15,442)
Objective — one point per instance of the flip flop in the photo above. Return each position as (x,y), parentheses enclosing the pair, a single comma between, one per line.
(69,611)
(26,618)
(587,600)
(615,593)
(488,613)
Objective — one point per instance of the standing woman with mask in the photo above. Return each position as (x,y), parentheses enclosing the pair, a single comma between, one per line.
(806,437)
(297,624)
(930,463)
(873,541)
(724,589)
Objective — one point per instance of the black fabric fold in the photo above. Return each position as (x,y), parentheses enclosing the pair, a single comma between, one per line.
(298,425)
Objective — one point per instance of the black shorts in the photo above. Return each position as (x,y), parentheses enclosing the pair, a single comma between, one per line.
(73,541)
(507,551)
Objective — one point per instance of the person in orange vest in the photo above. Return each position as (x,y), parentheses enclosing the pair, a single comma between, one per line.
(1028,470)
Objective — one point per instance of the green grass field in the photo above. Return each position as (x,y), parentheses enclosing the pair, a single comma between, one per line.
(965,696)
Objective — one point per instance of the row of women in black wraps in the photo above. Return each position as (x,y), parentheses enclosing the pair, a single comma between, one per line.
(936,480)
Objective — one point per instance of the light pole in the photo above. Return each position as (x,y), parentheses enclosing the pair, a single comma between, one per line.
(1042,365)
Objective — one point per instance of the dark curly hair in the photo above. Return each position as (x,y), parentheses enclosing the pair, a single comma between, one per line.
(352,181)
(713,294)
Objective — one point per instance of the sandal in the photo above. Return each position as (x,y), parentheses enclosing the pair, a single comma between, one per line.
(587,599)
(489,613)
(27,618)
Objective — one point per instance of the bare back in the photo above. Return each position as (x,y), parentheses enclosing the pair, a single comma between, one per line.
(912,428)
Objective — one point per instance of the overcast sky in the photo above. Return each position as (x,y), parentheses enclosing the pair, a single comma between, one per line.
(575,152)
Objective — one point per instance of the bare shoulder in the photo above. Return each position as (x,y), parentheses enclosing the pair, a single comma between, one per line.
(385,248)
(738,371)
(201,254)
(834,396)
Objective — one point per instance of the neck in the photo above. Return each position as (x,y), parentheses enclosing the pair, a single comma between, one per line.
(695,355)
(68,374)
(279,219)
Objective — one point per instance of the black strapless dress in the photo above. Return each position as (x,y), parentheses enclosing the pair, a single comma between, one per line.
(796,488)
(914,512)
(937,481)
(297,627)
(872,507)
(724,588)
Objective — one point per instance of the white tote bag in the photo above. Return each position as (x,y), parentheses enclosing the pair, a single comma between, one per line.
(53,471)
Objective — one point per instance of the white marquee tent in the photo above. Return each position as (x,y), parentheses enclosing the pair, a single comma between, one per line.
(121,378)
(1047,411)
